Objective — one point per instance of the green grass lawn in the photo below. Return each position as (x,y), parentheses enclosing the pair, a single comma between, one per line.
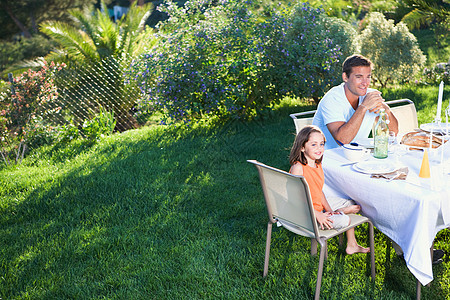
(178,213)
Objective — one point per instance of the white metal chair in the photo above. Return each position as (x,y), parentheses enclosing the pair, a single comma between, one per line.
(405,113)
(301,119)
(289,203)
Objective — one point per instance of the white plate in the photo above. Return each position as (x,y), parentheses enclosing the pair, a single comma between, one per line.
(374,167)
(441,128)
(365,142)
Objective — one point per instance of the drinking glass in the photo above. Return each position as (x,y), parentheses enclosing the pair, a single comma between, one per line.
(392,141)
(398,150)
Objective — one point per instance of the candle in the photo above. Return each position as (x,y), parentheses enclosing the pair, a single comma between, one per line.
(439,107)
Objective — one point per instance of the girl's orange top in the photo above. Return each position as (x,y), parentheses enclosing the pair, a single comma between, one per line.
(315,179)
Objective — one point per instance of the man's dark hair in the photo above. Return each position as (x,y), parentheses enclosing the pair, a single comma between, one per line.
(355,61)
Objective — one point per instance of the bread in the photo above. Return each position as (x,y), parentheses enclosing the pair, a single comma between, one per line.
(421,139)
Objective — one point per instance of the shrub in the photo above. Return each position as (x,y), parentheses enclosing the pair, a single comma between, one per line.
(305,50)
(438,73)
(392,48)
(222,61)
(100,125)
(204,64)
(22,112)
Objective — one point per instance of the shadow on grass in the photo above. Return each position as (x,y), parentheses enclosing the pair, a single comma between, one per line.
(163,213)
(169,201)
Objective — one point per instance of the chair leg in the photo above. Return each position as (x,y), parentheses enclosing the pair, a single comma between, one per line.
(313,247)
(397,248)
(372,250)
(320,271)
(268,239)
(418,290)
(341,239)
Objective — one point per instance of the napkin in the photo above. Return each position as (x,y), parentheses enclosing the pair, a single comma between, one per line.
(399,174)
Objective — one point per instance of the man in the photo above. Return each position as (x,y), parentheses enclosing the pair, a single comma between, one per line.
(347,111)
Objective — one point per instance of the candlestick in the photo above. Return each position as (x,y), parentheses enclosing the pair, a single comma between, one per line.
(439,107)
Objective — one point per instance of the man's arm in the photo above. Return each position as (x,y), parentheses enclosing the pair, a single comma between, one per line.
(345,132)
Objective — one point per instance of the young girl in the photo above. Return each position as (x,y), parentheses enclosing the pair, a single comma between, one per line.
(306,160)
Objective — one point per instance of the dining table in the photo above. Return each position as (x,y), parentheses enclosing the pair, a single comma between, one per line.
(410,211)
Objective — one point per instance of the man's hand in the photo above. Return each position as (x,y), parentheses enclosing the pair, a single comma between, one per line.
(373,101)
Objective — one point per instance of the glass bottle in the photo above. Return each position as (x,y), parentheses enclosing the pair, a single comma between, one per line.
(381,137)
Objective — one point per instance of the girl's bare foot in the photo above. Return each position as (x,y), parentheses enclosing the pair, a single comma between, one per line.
(356,249)
(352,209)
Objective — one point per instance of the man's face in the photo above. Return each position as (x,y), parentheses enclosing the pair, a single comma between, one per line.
(358,81)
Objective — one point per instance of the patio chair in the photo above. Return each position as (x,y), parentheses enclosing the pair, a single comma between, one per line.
(300,119)
(289,204)
(406,115)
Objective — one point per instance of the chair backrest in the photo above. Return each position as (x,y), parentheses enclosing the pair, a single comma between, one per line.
(288,200)
(406,115)
(300,121)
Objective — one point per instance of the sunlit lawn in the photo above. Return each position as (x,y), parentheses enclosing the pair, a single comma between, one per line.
(166,213)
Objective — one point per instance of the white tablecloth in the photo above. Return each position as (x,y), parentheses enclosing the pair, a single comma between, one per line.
(410,212)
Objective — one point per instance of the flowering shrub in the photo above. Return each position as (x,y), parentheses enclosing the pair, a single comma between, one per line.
(440,72)
(33,89)
(204,64)
(22,113)
(222,61)
(304,51)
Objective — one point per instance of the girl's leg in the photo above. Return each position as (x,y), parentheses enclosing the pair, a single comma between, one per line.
(352,209)
(352,244)
(345,206)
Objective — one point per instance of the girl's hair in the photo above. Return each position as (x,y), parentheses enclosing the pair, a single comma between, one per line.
(300,140)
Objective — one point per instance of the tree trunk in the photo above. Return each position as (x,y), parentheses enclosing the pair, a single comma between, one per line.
(33,22)
(22,27)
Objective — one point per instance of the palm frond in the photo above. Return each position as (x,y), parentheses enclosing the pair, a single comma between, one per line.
(108,33)
(87,23)
(417,18)
(133,25)
(25,65)
(438,10)
(75,41)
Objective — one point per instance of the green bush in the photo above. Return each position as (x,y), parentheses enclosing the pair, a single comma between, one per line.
(67,133)
(393,50)
(223,61)
(39,133)
(14,52)
(305,50)
(205,62)
(22,112)
(100,125)
(438,73)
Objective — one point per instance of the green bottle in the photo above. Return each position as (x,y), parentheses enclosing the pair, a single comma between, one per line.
(381,137)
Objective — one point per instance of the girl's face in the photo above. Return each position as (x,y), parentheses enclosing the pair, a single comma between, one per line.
(314,147)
